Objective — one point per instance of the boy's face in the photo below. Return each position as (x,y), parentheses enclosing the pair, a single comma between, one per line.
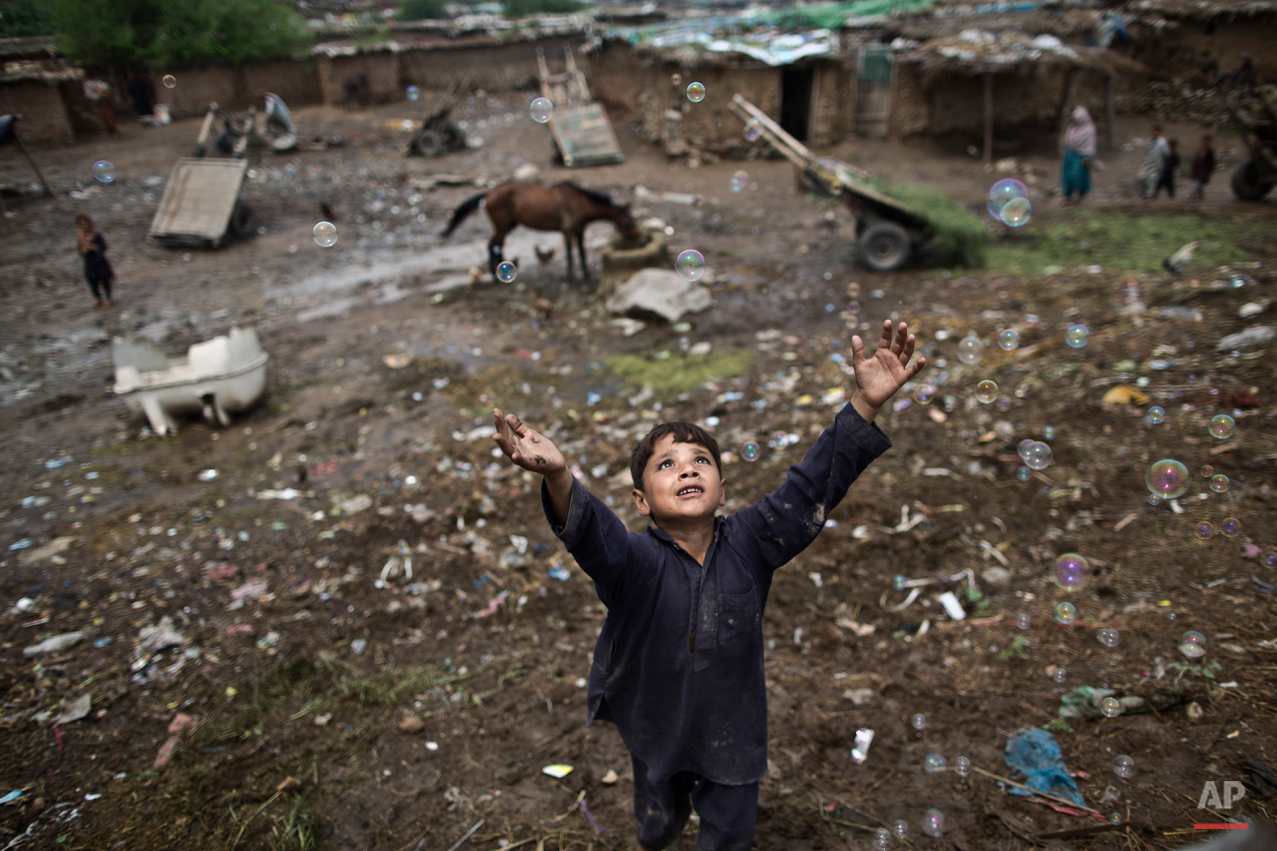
(682,484)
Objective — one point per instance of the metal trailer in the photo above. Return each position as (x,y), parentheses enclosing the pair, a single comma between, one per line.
(1256,120)
(201,204)
(888,234)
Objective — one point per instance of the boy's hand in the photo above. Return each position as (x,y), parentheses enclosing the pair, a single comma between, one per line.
(525,447)
(879,377)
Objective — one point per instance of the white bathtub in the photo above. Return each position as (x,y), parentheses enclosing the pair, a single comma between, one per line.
(218,377)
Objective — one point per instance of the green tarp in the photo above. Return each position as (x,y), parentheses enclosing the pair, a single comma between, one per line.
(831,16)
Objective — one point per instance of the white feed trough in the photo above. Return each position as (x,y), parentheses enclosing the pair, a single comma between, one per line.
(221,376)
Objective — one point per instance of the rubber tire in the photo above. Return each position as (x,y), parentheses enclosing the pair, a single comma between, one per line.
(884,247)
(429,143)
(242,221)
(454,137)
(1247,184)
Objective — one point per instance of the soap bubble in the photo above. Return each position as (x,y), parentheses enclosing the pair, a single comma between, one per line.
(1219,483)
(1059,675)
(1154,499)
(1115,818)
(753,130)
(684,343)
(1017,212)
(169,81)
(542,110)
(898,581)
(1002,193)
(739,181)
(1003,403)
(1037,456)
(1048,432)
(962,766)
(1167,478)
(506,271)
(1229,527)
(882,839)
(1269,559)
(413,93)
(853,307)
(1222,426)
(1023,621)
(676,79)
(899,828)
(1108,637)
(933,823)
(690,265)
(986,391)
(1124,767)
(750,451)
(695,92)
(1009,340)
(1156,414)
(970,350)
(1207,471)
(1065,613)
(1071,571)
(924,393)
(1111,707)
(1023,446)
(1192,644)
(104,171)
(918,721)
(1076,336)
(1023,474)
(1204,530)
(934,762)
(325,234)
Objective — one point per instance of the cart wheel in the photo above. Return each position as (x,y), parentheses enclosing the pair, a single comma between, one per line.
(429,143)
(241,225)
(884,247)
(1248,185)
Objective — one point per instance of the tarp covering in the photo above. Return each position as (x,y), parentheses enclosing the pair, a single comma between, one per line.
(770,47)
(831,16)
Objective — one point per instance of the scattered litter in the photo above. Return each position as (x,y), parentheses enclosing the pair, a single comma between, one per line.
(558,771)
(179,725)
(206,475)
(859,696)
(288,784)
(76,710)
(56,644)
(1035,754)
(286,493)
(1180,312)
(10,797)
(250,590)
(1123,394)
(560,573)
(412,724)
(162,636)
(358,646)
(1253,308)
(361,502)
(397,361)
(610,778)
(951,606)
(1245,339)
(860,749)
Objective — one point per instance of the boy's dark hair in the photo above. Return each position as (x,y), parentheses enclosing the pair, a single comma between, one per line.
(1174,143)
(682,433)
(1206,140)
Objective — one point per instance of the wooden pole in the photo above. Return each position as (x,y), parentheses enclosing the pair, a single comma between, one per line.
(1066,106)
(1110,111)
(988,119)
(34,167)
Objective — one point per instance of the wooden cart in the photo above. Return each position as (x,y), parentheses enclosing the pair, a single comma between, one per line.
(201,205)
(582,133)
(889,233)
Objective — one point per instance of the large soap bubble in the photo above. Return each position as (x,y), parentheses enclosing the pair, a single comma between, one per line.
(1167,478)
(1004,192)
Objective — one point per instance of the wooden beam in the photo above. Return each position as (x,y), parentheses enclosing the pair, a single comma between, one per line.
(988,119)
(1110,112)
(18,141)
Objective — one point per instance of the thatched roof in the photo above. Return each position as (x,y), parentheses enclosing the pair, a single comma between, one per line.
(976,52)
(1062,23)
(1204,10)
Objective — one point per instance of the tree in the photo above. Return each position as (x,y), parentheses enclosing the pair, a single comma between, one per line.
(168,33)
(527,8)
(24,17)
(422,10)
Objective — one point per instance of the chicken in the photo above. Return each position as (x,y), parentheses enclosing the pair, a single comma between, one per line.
(476,274)
(1177,261)
(542,307)
(327,211)
(546,255)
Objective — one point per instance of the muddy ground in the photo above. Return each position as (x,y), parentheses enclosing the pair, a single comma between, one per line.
(296,661)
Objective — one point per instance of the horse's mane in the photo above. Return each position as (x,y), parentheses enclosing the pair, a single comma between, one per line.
(594,195)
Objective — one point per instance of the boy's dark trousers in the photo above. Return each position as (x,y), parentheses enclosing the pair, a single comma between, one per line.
(727,813)
(1165,181)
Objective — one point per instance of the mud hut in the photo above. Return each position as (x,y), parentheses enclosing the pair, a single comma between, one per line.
(1193,40)
(979,87)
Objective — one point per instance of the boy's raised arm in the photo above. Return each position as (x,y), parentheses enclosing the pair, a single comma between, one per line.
(534,451)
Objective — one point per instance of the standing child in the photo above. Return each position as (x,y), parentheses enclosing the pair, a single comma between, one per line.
(97,269)
(1154,158)
(1202,167)
(678,665)
(1170,163)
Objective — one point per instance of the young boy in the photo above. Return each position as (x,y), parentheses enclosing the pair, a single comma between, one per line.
(1154,160)
(1202,167)
(678,665)
(1170,163)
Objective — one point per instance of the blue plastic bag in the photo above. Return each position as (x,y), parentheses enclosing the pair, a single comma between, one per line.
(1035,754)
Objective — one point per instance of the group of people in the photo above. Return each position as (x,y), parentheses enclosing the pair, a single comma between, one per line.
(1161,161)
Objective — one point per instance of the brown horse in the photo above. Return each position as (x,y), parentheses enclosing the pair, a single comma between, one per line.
(564,207)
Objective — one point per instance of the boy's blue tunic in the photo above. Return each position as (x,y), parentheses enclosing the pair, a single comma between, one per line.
(678,666)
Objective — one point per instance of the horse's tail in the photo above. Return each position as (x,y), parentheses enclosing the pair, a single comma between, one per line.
(463,212)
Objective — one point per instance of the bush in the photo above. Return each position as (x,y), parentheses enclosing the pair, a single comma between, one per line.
(422,10)
(527,8)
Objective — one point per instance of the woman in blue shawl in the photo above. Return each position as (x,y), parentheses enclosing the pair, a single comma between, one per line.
(1079,149)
